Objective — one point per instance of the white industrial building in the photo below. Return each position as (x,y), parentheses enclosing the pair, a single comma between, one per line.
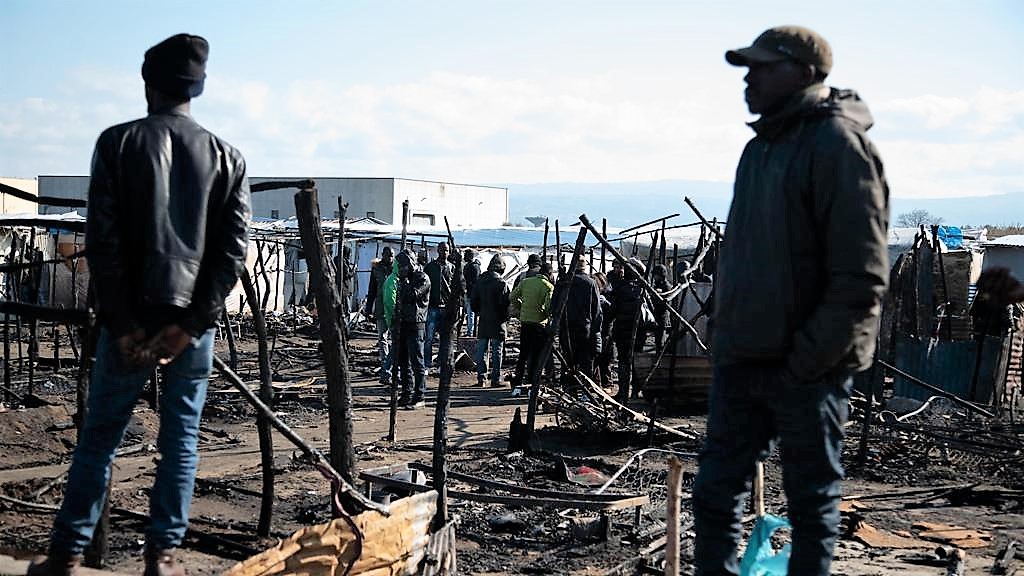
(10,204)
(465,205)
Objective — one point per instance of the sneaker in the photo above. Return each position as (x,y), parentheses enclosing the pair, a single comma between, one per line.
(497,385)
(415,403)
(516,392)
(403,400)
(162,563)
(54,565)
(480,383)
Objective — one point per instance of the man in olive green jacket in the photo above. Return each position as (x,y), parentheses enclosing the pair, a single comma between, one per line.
(802,271)
(532,297)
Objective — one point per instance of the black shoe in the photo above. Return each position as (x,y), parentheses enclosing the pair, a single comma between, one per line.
(415,403)
(162,563)
(403,400)
(55,565)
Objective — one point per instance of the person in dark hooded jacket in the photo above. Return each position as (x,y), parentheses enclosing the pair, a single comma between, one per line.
(470,272)
(490,300)
(412,297)
(801,274)
(579,332)
(627,330)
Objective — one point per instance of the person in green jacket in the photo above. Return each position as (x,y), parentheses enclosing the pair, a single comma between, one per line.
(389,295)
(532,298)
(800,278)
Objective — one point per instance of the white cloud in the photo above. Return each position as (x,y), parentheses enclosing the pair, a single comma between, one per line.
(997,109)
(936,111)
(975,146)
(478,128)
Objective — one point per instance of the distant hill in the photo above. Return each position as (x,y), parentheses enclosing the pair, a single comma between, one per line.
(627,204)
(624,204)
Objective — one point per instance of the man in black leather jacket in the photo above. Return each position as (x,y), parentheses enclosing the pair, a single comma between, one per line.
(412,297)
(167,233)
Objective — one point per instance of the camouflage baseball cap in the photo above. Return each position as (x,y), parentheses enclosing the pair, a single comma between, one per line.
(785,43)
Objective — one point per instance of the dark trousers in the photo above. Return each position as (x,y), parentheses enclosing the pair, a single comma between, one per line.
(627,341)
(578,349)
(660,329)
(603,362)
(752,407)
(531,344)
(409,355)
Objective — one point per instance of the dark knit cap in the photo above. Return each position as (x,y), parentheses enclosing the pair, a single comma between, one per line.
(177,66)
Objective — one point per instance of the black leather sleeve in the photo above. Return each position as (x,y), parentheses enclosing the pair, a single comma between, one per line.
(226,249)
(104,251)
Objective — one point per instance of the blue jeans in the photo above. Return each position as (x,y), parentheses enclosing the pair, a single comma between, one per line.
(497,346)
(752,406)
(470,318)
(113,392)
(384,349)
(435,318)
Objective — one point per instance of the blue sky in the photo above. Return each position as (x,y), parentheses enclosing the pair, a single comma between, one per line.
(518,91)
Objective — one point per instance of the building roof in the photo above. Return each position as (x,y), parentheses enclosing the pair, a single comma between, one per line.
(1012,241)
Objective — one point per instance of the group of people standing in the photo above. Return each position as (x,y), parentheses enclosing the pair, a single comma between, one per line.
(602,318)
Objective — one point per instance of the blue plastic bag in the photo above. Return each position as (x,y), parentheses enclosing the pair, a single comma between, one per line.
(760,559)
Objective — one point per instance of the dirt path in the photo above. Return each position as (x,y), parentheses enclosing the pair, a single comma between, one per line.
(226,505)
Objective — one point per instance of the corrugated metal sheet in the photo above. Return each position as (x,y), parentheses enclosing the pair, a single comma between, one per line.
(948,365)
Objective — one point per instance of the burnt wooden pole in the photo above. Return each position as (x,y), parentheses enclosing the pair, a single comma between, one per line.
(341,271)
(604,232)
(712,227)
(874,373)
(232,349)
(558,249)
(396,340)
(265,276)
(7,357)
(672,516)
(344,490)
(396,370)
(449,332)
(652,257)
(663,250)
(675,263)
(54,327)
(558,309)
(33,324)
(544,250)
(627,266)
(339,391)
(267,396)
(945,286)
(405,221)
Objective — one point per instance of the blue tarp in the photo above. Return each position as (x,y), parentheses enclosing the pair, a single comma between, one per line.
(951,236)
